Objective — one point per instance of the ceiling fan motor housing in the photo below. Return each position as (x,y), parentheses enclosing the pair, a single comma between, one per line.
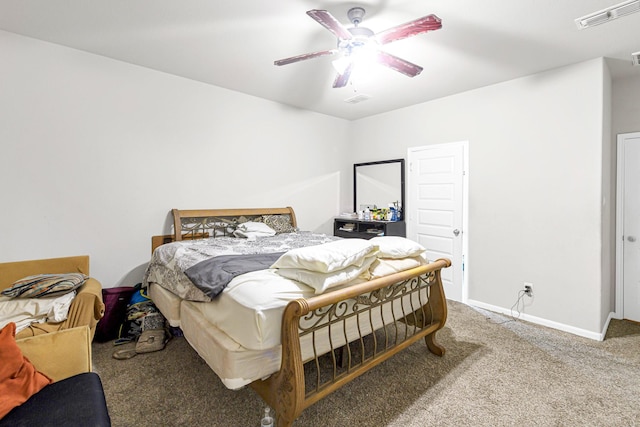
(355,15)
(361,37)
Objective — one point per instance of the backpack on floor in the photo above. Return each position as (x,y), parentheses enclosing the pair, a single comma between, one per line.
(139,307)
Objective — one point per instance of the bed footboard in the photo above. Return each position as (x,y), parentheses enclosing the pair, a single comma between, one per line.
(330,339)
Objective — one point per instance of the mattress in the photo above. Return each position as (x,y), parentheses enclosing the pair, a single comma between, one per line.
(250,309)
(238,334)
(167,302)
(235,365)
(251,313)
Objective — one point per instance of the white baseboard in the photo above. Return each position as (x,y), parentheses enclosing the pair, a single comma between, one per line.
(548,323)
(612,315)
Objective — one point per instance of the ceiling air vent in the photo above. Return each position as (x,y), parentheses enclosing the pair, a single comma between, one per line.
(635,58)
(357,98)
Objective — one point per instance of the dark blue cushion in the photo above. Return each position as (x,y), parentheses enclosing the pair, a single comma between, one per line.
(75,401)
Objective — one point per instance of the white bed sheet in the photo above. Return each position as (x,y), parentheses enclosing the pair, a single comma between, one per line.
(250,308)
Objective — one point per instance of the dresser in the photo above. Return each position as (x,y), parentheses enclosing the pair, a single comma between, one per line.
(355,228)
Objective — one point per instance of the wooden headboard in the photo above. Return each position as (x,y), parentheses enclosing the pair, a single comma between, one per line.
(203,223)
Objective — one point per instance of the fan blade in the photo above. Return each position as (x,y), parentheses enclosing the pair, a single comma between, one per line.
(398,64)
(304,57)
(330,23)
(409,29)
(342,79)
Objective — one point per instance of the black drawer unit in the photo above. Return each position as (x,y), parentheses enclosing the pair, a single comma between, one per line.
(352,228)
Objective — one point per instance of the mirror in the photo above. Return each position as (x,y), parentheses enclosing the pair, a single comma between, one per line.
(378,183)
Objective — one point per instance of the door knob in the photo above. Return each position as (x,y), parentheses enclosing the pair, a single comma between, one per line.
(631,238)
(456,232)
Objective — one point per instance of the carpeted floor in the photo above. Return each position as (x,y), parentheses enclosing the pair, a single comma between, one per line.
(496,372)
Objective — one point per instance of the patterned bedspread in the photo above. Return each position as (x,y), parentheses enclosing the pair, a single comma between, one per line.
(169,261)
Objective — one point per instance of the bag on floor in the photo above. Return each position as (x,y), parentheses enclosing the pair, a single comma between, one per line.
(115,311)
(154,334)
(140,306)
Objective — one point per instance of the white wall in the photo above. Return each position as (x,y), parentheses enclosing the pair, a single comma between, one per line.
(96,152)
(535,147)
(626,107)
(608,224)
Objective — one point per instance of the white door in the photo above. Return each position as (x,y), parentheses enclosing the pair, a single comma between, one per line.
(436,215)
(629,235)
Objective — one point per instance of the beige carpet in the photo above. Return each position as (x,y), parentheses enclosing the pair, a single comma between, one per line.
(496,372)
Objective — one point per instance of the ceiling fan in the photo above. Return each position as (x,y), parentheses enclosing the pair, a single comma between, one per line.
(356,41)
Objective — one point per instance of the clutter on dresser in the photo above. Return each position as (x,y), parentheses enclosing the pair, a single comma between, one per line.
(349,215)
(366,229)
(348,227)
(373,213)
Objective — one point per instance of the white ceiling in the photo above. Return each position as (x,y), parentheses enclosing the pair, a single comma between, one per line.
(233,44)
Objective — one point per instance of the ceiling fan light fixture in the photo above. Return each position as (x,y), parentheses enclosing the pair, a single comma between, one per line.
(359,61)
(361,32)
(609,14)
(358,51)
(341,64)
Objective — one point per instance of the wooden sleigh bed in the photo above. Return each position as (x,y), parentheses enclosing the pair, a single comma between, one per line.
(325,340)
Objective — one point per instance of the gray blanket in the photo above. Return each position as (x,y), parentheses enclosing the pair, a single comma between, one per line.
(213,275)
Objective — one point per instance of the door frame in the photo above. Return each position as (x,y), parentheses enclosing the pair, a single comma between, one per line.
(465,204)
(622,138)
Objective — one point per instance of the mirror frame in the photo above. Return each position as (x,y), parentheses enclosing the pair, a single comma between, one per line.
(381,162)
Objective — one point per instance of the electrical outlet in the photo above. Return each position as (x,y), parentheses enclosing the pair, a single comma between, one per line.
(528,289)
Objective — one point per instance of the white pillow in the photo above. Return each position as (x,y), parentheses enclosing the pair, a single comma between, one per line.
(386,266)
(251,230)
(328,257)
(321,282)
(396,247)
